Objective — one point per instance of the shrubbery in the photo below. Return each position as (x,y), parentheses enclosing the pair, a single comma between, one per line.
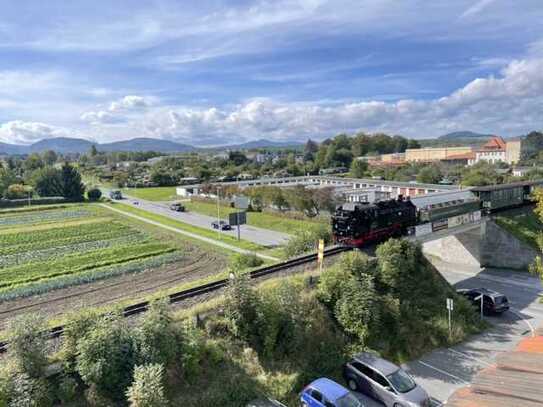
(147,390)
(94,194)
(242,261)
(307,240)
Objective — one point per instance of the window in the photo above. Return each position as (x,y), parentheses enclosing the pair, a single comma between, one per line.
(316,395)
(366,371)
(380,379)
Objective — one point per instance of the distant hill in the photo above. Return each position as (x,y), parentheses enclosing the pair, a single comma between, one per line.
(462,135)
(145,144)
(63,145)
(68,145)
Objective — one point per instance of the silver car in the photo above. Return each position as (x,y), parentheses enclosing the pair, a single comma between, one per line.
(384,381)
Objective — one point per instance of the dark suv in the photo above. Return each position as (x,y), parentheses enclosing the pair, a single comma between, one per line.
(493,302)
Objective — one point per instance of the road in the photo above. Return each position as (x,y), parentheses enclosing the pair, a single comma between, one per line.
(263,237)
(444,370)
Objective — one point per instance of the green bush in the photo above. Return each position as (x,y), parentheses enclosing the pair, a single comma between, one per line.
(156,339)
(147,389)
(106,356)
(94,194)
(28,392)
(75,328)
(241,306)
(68,389)
(28,344)
(243,261)
(306,240)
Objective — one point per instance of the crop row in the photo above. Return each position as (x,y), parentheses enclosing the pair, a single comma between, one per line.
(76,263)
(83,231)
(56,252)
(43,217)
(97,274)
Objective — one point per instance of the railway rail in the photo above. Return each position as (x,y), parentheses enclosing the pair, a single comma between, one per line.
(141,307)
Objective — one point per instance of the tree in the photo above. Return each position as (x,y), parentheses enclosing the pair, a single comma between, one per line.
(73,188)
(156,338)
(147,389)
(537,267)
(93,152)
(241,304)
(28,344)
(49,157)
(18,191)
(33,162)
(481,174)
(106,356)
(310,149)
(94,194)
(429,175)
(359,168)
(7,178)
(48,182)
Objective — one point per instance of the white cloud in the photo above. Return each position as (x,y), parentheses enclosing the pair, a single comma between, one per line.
(477,8)
(98,117)
(21,132)
(128,103)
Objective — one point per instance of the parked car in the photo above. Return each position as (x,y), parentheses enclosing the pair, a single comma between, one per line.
(116,194)
(222,225)
(135,203)
(178,207)
(384,381)
(327,393)
(493,302)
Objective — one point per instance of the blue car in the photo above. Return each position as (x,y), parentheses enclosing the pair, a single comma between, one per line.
(327,393)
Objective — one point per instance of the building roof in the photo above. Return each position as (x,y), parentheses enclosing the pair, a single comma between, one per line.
(443,198)
(465,156)
(507,186)
(496,143)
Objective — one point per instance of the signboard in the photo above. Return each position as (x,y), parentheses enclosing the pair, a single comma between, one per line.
(320,253)
(440,225)
(424,229)
(241,202)
(459,220)
(450,304)
(476,216)
(237,218)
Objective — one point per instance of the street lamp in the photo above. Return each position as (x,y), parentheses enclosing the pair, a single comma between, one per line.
(218,212)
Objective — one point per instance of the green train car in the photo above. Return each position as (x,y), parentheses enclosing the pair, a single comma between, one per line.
(496,197)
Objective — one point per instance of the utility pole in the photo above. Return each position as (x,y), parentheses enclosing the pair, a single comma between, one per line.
(218,212)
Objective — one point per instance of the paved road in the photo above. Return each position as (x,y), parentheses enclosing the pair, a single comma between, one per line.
(189,234)
(264,237)
(443,371)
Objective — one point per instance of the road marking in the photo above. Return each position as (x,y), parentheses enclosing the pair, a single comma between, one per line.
(517,313)
(189,234)
(442,372)
(471,357)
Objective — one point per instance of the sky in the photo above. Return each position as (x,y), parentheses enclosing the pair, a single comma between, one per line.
(228,71)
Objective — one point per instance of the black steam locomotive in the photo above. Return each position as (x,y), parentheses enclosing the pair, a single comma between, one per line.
(355,224)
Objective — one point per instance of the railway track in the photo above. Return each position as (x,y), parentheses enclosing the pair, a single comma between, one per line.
(141,307)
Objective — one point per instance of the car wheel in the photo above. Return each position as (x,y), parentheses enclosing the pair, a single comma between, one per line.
(352,383)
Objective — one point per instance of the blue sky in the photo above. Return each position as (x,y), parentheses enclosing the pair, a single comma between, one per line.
(215,72)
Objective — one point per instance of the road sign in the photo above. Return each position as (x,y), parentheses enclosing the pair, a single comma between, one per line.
(450,307)
(237,218)
(241,202)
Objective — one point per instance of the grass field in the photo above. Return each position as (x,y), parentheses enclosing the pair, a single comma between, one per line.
(56,247)
(525,225)
(208,233)
(152,194)
(258,219)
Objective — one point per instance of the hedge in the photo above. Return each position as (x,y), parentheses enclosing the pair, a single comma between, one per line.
(12,203)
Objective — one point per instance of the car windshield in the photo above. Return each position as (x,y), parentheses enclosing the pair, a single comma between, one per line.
(401,381)
(348,401)
(500,299)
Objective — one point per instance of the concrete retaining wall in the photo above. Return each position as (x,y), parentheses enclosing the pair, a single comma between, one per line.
(500,249)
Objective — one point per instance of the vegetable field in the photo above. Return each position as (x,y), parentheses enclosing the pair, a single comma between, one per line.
(58,247)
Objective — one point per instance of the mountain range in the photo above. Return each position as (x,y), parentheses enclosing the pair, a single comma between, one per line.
(67,145)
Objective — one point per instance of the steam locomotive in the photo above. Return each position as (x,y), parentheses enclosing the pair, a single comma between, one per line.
(355,224)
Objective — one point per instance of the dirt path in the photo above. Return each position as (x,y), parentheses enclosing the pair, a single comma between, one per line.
(112,290)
